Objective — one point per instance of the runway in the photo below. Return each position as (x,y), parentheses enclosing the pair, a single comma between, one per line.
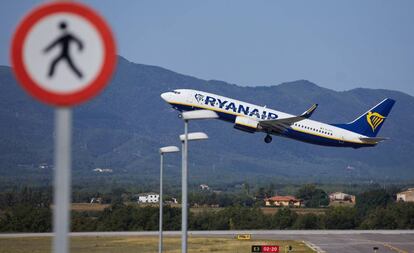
(323,241)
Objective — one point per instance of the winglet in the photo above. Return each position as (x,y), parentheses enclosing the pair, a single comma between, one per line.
(309,112)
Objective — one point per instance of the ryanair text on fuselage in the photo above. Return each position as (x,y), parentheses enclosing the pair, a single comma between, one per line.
(236,107)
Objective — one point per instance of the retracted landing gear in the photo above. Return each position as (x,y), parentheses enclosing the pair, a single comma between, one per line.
(268,139)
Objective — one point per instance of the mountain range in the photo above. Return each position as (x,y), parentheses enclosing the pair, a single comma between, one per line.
(125,125)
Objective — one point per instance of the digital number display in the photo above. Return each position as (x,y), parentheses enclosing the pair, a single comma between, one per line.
(270,248)
(265,248)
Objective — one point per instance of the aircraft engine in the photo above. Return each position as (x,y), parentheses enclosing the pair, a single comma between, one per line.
(246,124)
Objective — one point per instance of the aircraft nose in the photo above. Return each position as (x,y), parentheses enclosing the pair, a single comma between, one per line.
(166,96)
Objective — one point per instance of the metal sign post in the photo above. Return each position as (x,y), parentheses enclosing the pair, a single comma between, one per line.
(62,192)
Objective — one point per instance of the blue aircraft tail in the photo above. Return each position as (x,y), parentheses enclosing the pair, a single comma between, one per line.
(369,123)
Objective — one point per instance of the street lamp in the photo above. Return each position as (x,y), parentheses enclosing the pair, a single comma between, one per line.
(187,116)
(198,136)
(163,150)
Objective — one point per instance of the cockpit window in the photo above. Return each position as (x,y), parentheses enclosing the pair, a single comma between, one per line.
(176,92)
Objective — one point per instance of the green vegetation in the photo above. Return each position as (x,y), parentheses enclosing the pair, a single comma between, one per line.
(26,211)
(285,218)
(29,211)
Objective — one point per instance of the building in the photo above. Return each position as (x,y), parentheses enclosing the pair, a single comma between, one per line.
(204,187)
(406,196)
(341,197)
(171,201)
(280,201)
(148,198)
(44,166)
(96,200)
(103,170)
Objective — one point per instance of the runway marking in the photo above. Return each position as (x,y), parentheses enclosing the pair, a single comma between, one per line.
(394,248)
(314,247)
(389,246)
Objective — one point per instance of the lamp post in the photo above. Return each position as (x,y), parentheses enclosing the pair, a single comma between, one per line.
(163,150)
(187,116)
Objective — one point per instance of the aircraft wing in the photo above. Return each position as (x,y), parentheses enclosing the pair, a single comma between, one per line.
(373,140)
(280,125)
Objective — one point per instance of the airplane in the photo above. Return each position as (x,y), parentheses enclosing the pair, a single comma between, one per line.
(361,132)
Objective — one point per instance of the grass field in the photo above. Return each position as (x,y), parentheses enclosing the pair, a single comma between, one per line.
(143,245)
(83,207)
(273,210)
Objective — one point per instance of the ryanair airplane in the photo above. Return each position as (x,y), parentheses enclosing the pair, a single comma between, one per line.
(251,118)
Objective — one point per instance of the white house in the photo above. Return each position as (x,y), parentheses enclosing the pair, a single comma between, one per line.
(103,170)
(283,201)
(148,198)
(204,187)
(171,201)
(96,200)
(340,196)
(406,196)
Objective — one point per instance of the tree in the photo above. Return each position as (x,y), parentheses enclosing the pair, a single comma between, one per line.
(370,200)
(312,196)
(340,218)
(246,188)
(269,190)
(26,218)
(394,216)
(244,217)
(81,222)
(261,193)
(308,221)
(283,219)
(379,218)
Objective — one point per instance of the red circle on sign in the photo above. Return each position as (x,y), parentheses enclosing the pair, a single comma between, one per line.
(72,98)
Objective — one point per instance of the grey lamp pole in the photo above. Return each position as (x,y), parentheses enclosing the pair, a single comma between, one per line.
(187,116)
(184,185)
(163,150)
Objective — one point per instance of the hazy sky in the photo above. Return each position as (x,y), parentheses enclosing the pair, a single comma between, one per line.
(335,44)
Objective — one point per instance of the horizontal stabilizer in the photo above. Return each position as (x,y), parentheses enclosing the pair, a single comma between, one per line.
(373,140)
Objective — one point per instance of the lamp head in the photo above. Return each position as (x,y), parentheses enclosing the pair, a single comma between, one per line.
(199,114)
(197,136)
(169,149)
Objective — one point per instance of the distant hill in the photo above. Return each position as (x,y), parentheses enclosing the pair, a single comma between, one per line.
(123,128)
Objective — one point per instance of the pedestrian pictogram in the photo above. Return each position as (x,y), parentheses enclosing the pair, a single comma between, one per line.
(64,42)
(63,53)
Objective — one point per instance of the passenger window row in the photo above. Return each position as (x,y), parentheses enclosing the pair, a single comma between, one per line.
(312,129)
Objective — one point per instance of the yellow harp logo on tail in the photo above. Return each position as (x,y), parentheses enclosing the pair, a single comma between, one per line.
(374,120)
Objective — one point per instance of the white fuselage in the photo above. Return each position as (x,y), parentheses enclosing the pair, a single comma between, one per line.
(228,109)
